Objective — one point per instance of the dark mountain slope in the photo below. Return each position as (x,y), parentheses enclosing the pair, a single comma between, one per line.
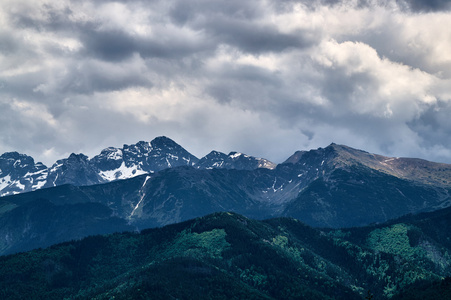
(166,197)
(224,255)
(316,194)
(357,196)
(41,223)
(218,256)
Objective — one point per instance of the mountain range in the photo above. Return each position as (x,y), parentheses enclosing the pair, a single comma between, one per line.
(19,173)
(152,184)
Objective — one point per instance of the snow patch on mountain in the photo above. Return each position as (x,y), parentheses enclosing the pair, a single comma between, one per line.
(123,172)
(234,155)
(38,185)
(143,194)
(4,182)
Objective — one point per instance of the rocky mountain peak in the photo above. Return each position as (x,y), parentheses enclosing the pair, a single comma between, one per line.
(77,157)
(11,155)
(19,173)
(141,147)
(109,153)
(312,157)
(141,158)
(17,165)
(334,155)
(214,159)
(293,159)
(347,152)
(163,142)
(233,160)
(215,153)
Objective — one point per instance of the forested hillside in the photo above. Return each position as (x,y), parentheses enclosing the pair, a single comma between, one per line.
(228,256)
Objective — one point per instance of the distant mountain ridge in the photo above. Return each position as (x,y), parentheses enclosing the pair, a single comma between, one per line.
(19,173)
(341,156)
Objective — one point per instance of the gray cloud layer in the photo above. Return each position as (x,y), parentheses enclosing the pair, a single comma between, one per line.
(262,77)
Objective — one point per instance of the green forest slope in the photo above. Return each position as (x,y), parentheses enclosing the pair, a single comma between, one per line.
(228,256)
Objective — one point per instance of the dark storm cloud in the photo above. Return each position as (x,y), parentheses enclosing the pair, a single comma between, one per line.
(341,87)
(434,125)
(253,39)
(429,5)
(47,18)
(413,5)
(8,43)
(117,45)
(112,45)
(183,12)
(250,87)
(360,3)
(236,23)
(88,78)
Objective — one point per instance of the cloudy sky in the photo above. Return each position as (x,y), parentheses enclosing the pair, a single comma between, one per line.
(264,77)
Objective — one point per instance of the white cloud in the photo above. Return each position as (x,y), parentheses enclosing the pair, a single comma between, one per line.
(267,77)
(390,89)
